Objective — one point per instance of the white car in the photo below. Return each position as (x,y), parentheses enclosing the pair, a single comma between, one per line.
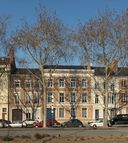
(28,123)
(97,123)
(16,124)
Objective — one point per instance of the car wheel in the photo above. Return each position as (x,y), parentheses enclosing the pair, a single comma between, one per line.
(109,125)
(80,126)
(94,126)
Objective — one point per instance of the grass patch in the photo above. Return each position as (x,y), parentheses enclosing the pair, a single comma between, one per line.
(8,138)
(39,136)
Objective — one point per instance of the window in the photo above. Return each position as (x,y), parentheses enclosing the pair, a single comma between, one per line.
(97,114)
(84,112)
(123,83)
(61,82)
(84,83)
(50,83)
(50,97)
(4,113)
(61,97)
(37,84)
(17,84)
(27,99)
(36,98)
(4,110)
(97,85)
(28,116)
(112,87)
(73,83)
(27,84)
(16,99)
(96,99)
(124,97)
(73,97)
(61,112)
(84,97)
(104,85)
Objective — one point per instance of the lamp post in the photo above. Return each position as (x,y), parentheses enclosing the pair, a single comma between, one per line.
(52,112)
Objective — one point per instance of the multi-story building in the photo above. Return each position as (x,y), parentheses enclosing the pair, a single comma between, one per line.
(70,92)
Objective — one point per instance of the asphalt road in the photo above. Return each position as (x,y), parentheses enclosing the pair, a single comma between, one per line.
(64,131)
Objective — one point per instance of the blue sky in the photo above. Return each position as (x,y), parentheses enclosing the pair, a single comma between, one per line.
(71,12)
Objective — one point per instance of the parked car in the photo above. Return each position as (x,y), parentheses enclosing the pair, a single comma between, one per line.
(96,123)
(28,123)
(4,123)
(119,119)
(73,123)
(53,123)
(38,124)
(16,124)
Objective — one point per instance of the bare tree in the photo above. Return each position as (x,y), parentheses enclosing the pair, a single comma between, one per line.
(102,41)
(44,42)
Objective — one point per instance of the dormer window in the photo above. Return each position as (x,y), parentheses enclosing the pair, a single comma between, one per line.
(27,84)
(17,83)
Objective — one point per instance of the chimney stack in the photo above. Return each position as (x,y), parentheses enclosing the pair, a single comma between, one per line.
(12,58)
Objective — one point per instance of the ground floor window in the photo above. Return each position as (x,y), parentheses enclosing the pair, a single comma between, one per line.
(28,116)
(61,112)
(84,112)
(4,113)
(97,114)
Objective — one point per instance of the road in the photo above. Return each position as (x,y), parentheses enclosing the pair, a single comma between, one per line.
(64,131)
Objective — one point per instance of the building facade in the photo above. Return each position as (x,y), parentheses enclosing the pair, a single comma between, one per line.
(70,92)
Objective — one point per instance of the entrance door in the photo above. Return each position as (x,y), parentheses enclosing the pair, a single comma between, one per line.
(16,115)
(50,116)
(50,113)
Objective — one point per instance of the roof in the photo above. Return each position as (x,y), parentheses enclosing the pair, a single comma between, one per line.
(99,71)
(121,71)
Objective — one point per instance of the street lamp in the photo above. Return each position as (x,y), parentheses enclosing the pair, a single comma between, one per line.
(52,113)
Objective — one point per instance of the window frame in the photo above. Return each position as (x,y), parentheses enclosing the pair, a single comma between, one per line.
(61,82)
(73,83)
(84,112)
(61,97)
(28,84)
(84,97)
(50,83)
(17,82)
(61,112)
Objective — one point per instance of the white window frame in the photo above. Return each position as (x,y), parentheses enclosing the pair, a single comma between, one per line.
(84,83)
(28,82)
(84,97)
(17,83)
(50,83)
(61,97)
(73,83)
(84,112)
(61,82)
(61,112)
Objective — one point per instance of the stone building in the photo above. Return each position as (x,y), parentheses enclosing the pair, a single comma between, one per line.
(70,92)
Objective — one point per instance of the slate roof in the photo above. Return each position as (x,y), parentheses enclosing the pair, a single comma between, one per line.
(99,71)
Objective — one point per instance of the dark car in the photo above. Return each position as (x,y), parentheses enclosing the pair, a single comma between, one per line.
(4,123)
(73,123)
(119,119)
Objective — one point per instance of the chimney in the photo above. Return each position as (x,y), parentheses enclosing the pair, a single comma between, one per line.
(12,58)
